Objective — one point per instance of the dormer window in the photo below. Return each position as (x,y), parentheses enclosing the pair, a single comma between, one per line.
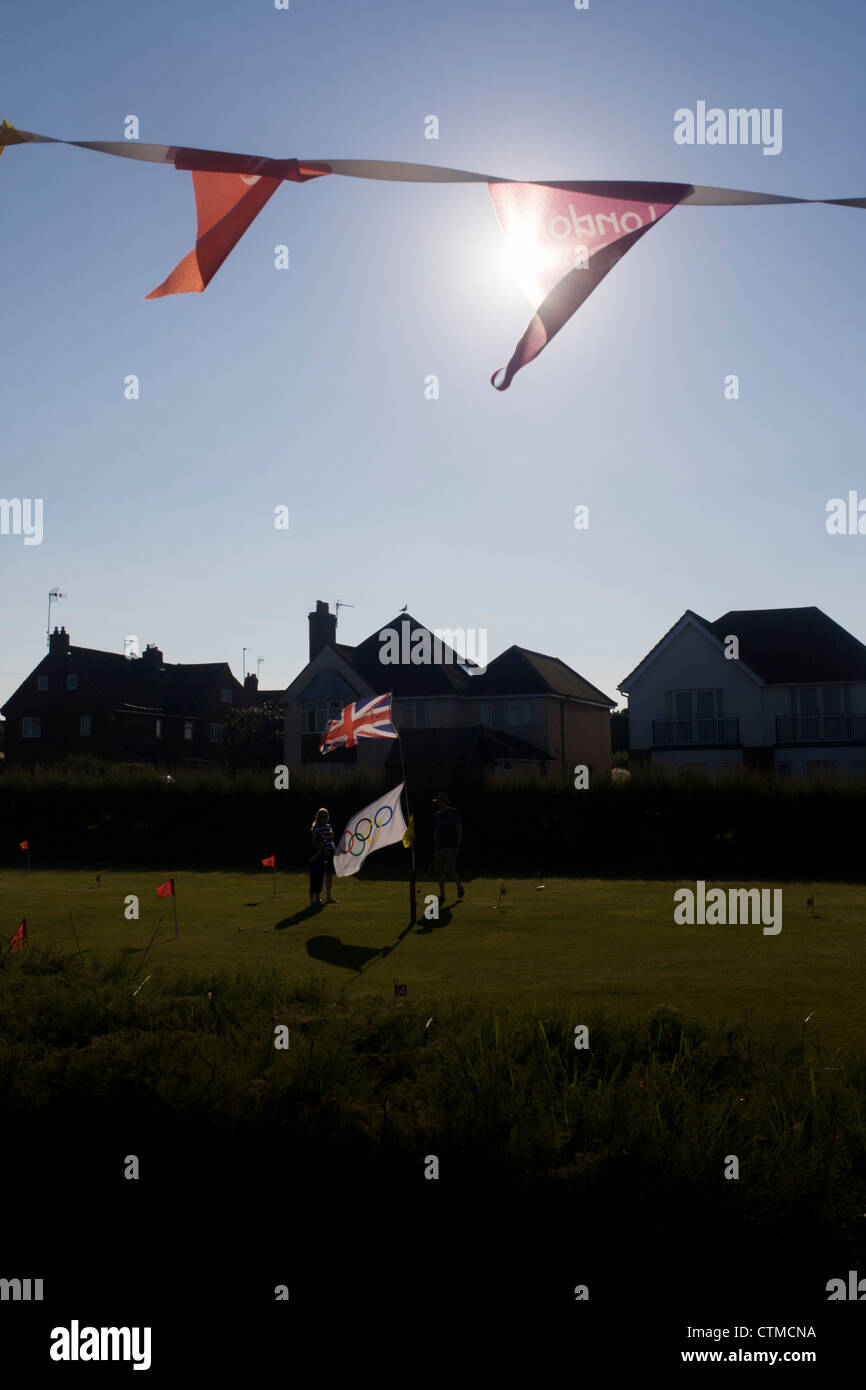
(71,682)
(226,697)
(41,682)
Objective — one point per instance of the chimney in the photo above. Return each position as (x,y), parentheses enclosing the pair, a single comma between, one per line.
(323,628)
(251,683)
(152,656)
(59,640)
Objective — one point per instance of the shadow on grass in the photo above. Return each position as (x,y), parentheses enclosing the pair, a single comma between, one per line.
(332,950)
(300,916)
(444,920)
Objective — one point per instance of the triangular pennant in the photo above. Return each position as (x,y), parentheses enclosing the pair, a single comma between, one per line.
(562,241)
(226,205)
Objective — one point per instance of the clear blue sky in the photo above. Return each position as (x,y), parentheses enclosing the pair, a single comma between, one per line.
(306,387)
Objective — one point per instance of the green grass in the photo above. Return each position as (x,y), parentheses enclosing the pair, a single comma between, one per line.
(578,944)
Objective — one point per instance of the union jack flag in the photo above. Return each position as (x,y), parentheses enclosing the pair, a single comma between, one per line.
(364,719)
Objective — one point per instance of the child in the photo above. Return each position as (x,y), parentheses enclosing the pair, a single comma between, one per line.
(322,859)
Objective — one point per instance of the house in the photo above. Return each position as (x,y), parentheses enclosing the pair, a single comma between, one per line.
(522,714)
(776,690)
(133,709)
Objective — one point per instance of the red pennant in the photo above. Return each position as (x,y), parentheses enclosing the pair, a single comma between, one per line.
(166,890)
(270,863)
(226,203)
(562,241)
(19,940)
(24,844)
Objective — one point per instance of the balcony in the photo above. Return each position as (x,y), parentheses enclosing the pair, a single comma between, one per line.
(696,733)
(821,728)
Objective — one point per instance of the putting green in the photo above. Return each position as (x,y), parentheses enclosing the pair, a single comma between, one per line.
(575,942)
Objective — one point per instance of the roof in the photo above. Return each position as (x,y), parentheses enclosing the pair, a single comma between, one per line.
(519,671)
(138,683)
(792,645)
(406,680)
(783,646)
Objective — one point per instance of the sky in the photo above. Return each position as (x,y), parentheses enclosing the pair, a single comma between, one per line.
(306,387)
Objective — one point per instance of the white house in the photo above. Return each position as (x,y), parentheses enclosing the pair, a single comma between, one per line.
(779,690)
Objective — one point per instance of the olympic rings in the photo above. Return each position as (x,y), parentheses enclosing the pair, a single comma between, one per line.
(368,837)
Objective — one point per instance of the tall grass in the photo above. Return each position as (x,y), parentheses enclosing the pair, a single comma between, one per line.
(648,1114)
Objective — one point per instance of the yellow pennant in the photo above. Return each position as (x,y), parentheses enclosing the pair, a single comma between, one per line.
(10,136)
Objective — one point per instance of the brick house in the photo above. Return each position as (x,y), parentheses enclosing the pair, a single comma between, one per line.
(524,714)
(132,709)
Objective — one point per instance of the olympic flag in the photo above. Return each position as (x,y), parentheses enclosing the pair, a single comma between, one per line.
(379,824)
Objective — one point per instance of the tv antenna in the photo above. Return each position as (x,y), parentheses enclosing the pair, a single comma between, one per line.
(53,596)
(337,606)
(259,663)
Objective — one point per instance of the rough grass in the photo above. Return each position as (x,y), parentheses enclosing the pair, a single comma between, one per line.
(644,1117)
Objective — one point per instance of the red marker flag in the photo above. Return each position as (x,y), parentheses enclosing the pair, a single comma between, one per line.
(24,844)
(166,890)
(19,940)
(270,863)
(226,203)
(562,241)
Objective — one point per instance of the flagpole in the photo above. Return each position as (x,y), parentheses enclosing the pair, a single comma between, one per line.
(174,902)
(412,903)
(275,875)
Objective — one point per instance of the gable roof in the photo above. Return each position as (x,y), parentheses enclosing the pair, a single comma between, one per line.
(519,671)
(782,646)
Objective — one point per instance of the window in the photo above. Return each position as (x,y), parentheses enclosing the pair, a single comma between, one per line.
(188,730)
(226,697)
(318,713)
(71,682)
(31,728)
(159,728)
(506,714)
(831,698)
(85,725)
(411,714)
(695,704)
(816,699)
(820,711)
(41,682)
(215,733)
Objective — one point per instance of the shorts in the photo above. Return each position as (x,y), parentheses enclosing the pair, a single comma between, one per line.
(446,861)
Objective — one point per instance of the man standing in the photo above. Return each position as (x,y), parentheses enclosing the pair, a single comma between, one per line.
(448,835)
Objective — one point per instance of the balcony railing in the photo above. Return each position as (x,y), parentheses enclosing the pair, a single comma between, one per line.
(695,733)
(821,728)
